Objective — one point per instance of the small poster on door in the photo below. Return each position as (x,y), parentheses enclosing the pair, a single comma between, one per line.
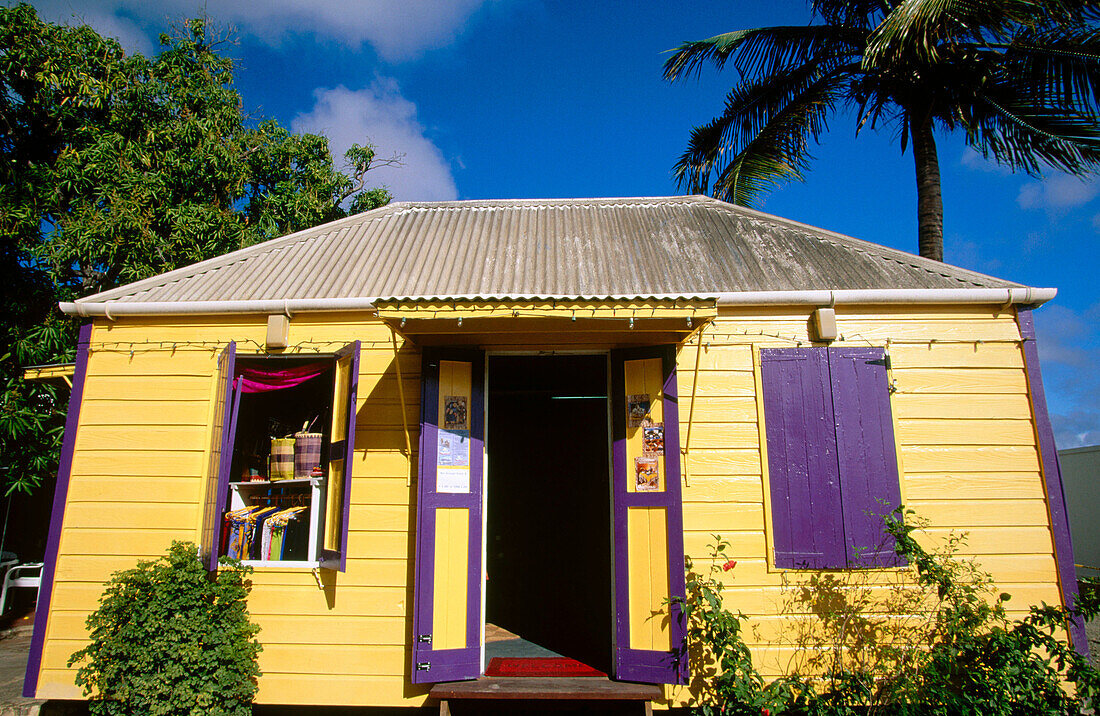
(453,480)
(452,448)
(637,408)
(454,412)
(646,474)
(653,439)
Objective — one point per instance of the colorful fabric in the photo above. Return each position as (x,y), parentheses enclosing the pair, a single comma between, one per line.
(307,453)
(258,380)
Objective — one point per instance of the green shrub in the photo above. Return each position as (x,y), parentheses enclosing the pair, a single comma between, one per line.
(171,638)
(931,639)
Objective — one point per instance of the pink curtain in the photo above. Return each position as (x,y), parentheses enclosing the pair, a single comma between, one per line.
(259,380)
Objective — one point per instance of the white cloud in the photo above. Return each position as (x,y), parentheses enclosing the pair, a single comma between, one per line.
(102,17)
(381,116)
(972,160)
(397,29)
(1060,191)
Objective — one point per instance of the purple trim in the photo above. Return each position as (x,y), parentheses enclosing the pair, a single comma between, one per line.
(660,667)
(231,401)
(57,515)
(447,664)
(1052,475)
(351,351)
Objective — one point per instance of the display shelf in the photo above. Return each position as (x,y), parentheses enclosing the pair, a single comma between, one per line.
(279,483)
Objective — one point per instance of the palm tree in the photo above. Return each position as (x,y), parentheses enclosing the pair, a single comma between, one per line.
(1021,78)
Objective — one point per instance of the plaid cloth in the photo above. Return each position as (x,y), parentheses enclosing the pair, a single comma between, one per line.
(307,453)
(282,459)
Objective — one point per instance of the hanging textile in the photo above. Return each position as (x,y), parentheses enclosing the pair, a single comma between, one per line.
(262,380)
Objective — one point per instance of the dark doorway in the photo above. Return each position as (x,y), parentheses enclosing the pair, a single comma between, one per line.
(549,505)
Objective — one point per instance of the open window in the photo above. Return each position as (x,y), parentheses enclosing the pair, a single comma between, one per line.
(832,461)
(281,459)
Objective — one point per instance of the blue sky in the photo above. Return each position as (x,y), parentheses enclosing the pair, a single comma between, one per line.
(544,98)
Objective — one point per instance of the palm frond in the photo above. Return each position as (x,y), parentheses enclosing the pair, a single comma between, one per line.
(766,140)
(864,14)
(1024,133)
(917,30)
(1060,66)
(767,50)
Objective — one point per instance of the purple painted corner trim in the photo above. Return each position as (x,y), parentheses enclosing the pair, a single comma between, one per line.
(1052,475)
(57,515)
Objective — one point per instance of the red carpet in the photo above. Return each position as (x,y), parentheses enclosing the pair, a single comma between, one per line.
(561,666)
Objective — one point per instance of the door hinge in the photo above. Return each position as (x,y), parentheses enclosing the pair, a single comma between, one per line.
(424,639)
(423,666)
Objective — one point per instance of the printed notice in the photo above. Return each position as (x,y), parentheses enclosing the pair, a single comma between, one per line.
(452,479)
(452,461)
(452,448)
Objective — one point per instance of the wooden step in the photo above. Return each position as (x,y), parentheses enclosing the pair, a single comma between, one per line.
(527,688)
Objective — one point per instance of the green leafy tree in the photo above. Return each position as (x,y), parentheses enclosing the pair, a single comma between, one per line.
(1020,79)
(116,167)
(170,638)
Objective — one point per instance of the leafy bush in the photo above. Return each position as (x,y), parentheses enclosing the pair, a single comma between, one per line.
(170,638)
(931,639)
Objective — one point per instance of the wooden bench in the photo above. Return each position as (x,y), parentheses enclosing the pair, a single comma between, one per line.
(526,688)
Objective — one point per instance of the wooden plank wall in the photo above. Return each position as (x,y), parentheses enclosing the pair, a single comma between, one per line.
(963,427)
(137,485)
(962,419)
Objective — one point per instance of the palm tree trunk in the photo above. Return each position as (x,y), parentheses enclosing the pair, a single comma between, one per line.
(929,199)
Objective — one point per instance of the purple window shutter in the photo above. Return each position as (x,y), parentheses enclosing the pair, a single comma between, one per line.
(221,454)
(345,450)
(866,452)
(431,665)
(648,666)
(807,529)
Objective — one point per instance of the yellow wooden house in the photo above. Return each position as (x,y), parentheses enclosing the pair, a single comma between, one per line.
(444,433)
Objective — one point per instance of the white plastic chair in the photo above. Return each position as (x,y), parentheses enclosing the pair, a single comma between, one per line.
(11,580)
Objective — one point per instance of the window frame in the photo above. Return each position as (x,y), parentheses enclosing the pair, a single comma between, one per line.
(223,439)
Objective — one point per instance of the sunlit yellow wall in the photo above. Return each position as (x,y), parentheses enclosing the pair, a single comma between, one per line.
(962,423)
(137,484)
(962,419)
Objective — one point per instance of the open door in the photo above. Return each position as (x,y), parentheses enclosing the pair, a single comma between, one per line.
(648,522)
(447,605)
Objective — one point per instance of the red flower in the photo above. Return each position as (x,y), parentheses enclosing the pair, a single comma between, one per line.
(765,712)
(729,565)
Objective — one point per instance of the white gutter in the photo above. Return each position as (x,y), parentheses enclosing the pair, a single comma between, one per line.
(996,296)
(1002,296)
(111,309)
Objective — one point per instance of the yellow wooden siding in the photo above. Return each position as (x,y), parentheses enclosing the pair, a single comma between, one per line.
(964,432)
(962,420)
(137,484)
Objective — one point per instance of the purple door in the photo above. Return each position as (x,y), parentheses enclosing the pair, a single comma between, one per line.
(447,602)
(648,522)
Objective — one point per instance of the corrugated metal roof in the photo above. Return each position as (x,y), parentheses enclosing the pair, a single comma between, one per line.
(540,248)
